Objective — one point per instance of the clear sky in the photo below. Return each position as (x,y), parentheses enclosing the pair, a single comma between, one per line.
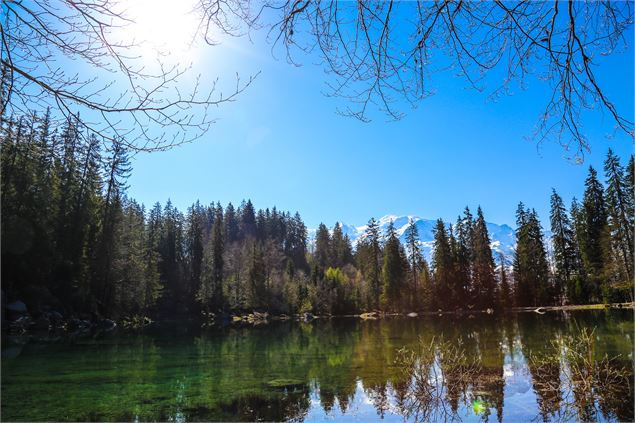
(282,143)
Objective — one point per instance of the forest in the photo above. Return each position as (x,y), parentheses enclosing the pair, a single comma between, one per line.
(74,242)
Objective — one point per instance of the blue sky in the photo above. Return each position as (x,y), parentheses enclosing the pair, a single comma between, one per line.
(281,143)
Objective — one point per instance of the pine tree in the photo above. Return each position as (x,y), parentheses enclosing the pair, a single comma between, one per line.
(231,224)
(117,173)
(322,248)
(393,271)
(531,269)
(217,247)
(247,216)
(483,264)
(295,245)
(341,252)
(194,247)
(563,240)
(463,258)
(595,234)
(256,276)
(619,200)
(505,298)
(415,260)
(577,289)
(442,268)
(372,237)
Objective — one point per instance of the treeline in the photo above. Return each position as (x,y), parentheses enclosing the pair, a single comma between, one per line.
(73,241)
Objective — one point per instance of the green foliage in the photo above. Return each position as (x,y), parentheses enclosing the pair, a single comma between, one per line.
(72,236)
(394,270)
(531,269)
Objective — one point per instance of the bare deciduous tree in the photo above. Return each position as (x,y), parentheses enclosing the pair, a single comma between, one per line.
(382,52)
(378,54)
(48,46)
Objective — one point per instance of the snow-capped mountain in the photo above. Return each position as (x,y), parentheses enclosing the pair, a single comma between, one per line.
(503,237)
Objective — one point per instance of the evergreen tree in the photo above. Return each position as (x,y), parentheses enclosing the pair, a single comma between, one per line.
(531,270)
(593,239)
(256,276)
(563,240)
(341,252)
(322,248)
(619,202)
(372,238)
(415,259)
(442,268)
(483,264)
(463,253)
(577,289)
(295,245)
(231,224)
(393,271)
(505,298)
(117,173)
(247,215)
(194,247)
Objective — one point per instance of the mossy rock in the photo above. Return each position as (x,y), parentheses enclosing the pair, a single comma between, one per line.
(369,316)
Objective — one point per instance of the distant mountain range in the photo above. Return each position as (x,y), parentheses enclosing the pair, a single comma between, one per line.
(503,237)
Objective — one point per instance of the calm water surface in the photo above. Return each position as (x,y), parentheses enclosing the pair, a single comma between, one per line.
(342,370)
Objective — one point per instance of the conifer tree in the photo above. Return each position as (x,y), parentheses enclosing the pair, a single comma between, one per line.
(372,238)
(194,247)
(463,257)
(231,224)
(117,173)
(505,298)
(619,202)
(577,289)
(393,271)
(563,240)
(442,268)
(322,248)
(256,276)
(415,260)
(531,270)
(594,235)
(483,264)
(247,215)
(341,252)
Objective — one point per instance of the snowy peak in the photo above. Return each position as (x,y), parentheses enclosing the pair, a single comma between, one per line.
(503,237)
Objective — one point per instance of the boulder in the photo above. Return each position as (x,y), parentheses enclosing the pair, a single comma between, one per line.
(17,307)
(21,324)
(78,325)
(369,316)
(260,316)
(106,325)
(42,323)
(55,318)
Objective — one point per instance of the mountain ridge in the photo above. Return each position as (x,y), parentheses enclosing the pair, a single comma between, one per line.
(502,236)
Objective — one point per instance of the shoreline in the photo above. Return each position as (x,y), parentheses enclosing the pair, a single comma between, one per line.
(255,318)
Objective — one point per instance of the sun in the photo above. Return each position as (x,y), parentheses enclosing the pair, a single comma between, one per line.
(166,28)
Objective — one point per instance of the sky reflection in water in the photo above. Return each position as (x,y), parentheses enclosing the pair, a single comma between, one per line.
(340,370)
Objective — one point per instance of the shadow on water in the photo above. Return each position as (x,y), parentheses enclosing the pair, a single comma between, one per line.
(553,367)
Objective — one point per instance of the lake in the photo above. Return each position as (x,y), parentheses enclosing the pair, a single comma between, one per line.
(521,367)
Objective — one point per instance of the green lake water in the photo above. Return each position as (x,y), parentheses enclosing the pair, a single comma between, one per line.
(511,368)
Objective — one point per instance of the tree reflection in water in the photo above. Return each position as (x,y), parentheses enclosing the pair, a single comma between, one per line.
(589,386)
(437,375)
(423,369)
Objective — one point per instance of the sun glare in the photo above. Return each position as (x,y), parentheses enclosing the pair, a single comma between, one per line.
(162,27)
